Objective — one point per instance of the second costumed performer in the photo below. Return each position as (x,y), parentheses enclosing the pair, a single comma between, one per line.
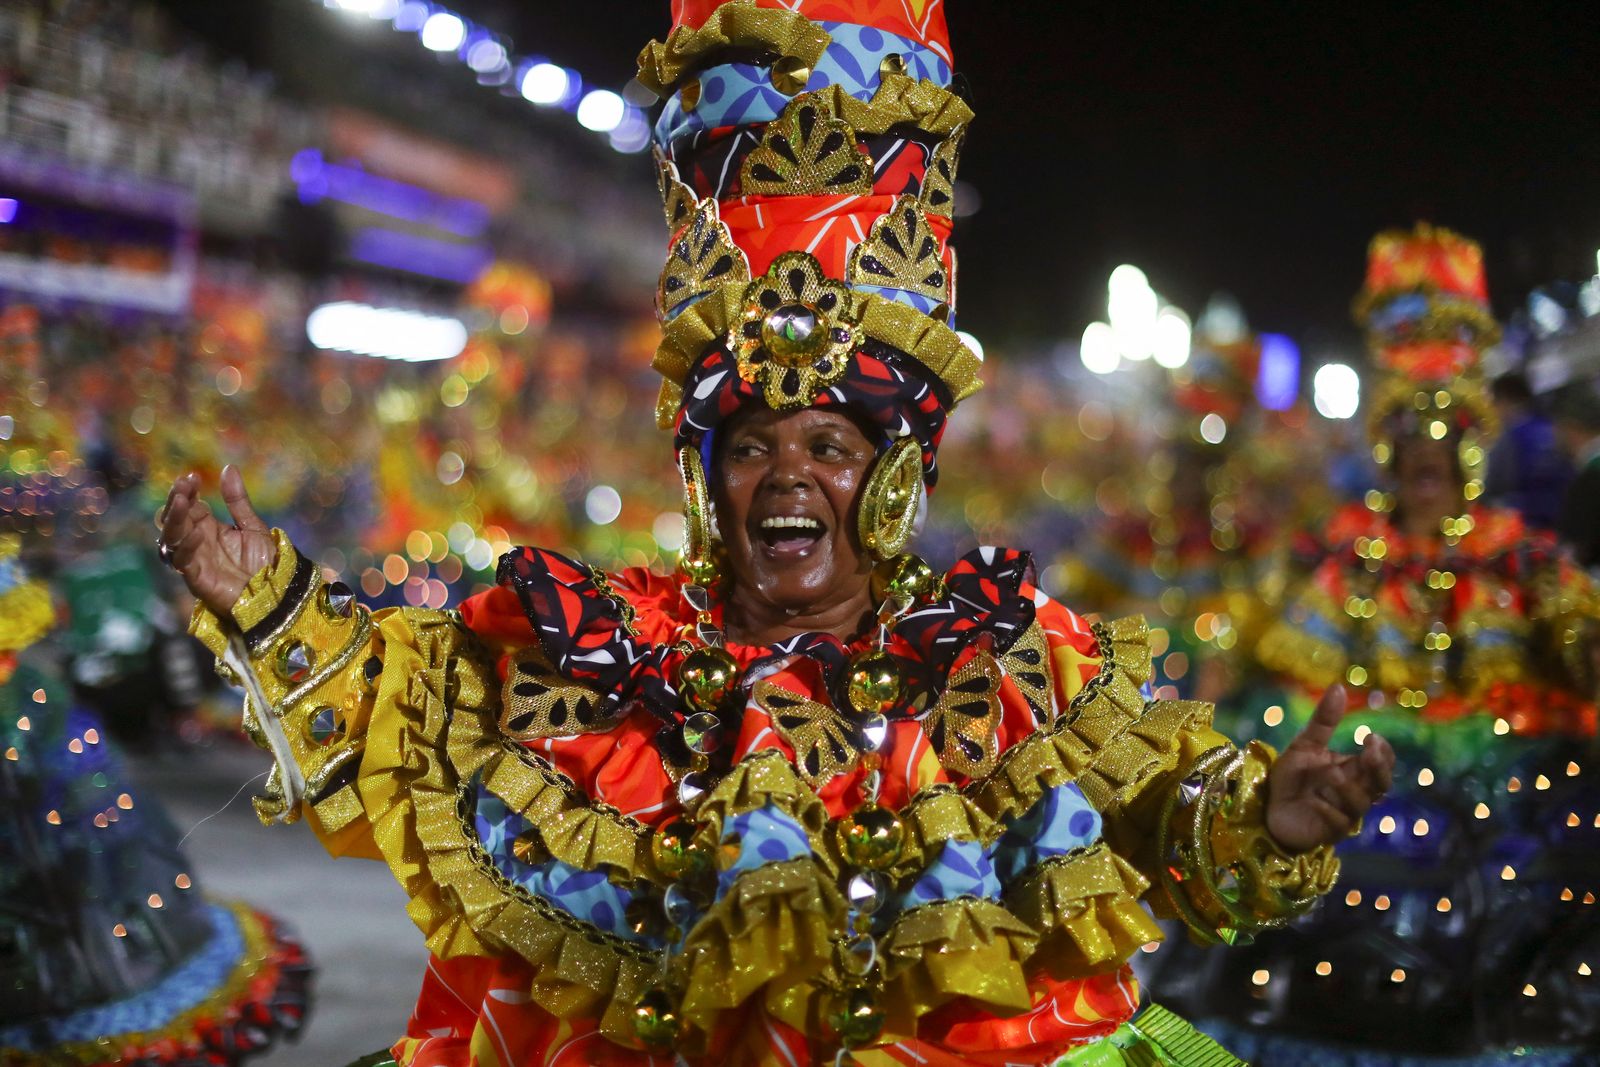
(806,801)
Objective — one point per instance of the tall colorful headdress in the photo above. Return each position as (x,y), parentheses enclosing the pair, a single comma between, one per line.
(1425,308)
(806,157)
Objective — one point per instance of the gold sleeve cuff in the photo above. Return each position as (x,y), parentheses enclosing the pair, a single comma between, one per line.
(1085,906)
(309,653)
(737,25)
(1226,877)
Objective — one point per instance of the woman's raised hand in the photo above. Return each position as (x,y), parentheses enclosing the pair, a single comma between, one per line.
(215,560)
(1315,796)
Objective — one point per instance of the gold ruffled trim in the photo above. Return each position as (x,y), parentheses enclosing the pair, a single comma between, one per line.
(1110,741)
(965,947)
(436,684)
(936,815)
(26,615)
(901,100)
(761,779)
(773,928)
(738,24)
(1085,907)
(706,322)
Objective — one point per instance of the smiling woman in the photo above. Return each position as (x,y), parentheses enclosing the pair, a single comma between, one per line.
(805,798)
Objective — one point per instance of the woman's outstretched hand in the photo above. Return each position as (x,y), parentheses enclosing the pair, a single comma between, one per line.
(215,560)
(1316,797)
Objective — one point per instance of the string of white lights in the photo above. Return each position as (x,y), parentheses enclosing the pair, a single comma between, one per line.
(491,56)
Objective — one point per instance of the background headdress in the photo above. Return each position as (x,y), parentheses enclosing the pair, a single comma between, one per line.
(1425,309)
(806,157)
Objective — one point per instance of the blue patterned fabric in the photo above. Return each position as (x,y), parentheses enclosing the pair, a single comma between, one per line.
(766,835)
(185,987)
(589,895)
(924,304)
(1062,820)
(963,869)
(738,94)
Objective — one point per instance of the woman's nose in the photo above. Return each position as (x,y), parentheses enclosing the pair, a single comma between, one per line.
(791,469)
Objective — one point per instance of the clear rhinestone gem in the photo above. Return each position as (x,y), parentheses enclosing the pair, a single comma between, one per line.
(677,905)
(702,732)
(874,732)
(1189,790)
(697,597)
(295,661)
(859,954)
(710,635)
(323,726)
(338,600)
(692,787)
(867,891)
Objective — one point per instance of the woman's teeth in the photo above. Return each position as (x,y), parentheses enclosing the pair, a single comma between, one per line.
(785,522)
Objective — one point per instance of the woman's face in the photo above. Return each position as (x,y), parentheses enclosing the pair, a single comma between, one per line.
(1427,473)
(785,485)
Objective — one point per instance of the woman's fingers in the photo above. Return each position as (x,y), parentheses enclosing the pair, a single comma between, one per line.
(237,498)
(1338,821)
(1346,787)
(1325,720)
(1376,765)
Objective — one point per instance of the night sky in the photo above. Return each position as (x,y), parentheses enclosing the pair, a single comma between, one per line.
(1248,147)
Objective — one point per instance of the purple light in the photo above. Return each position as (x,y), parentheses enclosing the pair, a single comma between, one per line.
(8,210)
(414,254)
(1278,376)
(318,179)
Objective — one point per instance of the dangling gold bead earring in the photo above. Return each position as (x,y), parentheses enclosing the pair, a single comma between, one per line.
(698,562)
(889,500)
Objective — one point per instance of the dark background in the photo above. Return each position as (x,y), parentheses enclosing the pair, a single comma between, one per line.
(1247,147)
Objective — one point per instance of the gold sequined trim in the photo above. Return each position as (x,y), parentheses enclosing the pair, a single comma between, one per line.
(703,257)
(961,726)
(736,25)
(966,947)
(938,193)
(807,151)
(678,201)
(1027,664)
(901,252)
(823,739)
(537,702)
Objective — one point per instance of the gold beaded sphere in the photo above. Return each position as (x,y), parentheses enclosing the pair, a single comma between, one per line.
(701,570)
(856,1018)
(872,837)
(873,683)
(655,1020)
(708,678)
(905,576)
(672,848)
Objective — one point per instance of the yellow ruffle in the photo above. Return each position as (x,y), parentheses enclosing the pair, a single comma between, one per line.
(738,24)
(433,687)
(26,615)
(774,928)
(761,779)
(936,815)
(1085,906)
(965,947)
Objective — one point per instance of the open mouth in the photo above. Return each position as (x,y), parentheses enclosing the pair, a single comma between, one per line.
(784,537)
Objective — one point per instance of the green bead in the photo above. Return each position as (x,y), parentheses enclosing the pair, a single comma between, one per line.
(708,679)
(655,1020)
(872,837)
(873,683)
(856,1018)
(672,847)
(905,577)
(701,570)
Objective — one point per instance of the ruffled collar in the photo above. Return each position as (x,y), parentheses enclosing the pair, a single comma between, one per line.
(625,635)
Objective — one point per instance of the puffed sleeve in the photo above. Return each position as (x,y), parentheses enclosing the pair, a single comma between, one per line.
(340,680)
(1181,804)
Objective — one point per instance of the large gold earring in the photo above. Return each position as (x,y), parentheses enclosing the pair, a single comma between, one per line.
(699,559)
(889,500)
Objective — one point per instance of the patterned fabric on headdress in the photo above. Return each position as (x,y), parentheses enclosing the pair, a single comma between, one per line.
(807,157)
